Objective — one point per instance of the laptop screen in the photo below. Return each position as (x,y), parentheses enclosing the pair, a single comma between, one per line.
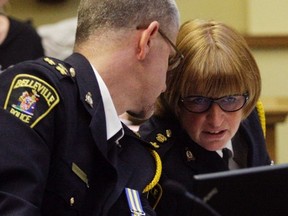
(245,192)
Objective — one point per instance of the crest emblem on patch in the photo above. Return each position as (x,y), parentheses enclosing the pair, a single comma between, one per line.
(27,102)
(30,99)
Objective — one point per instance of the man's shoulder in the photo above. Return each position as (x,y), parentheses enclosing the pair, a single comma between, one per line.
(44,66)
(58,67)
(31,89)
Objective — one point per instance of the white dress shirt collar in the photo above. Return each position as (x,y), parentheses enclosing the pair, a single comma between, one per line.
(113,123)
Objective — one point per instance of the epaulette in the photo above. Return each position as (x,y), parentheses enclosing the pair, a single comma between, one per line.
(161,140)
(158,165)
(61,67)
(159,137)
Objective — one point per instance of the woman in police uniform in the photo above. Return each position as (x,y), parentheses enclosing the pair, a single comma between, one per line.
(209,105)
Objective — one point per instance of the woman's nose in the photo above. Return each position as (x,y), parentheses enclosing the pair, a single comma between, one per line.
(215,115)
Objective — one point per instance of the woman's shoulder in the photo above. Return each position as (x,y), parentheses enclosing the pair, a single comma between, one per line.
(159,132)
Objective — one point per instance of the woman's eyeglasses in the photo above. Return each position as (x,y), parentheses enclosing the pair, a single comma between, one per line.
(199,104)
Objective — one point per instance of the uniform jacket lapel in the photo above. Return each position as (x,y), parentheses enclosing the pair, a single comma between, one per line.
(124,169)
(91,98)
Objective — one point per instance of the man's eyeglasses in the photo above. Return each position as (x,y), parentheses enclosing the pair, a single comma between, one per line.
(199,104)
(174,60)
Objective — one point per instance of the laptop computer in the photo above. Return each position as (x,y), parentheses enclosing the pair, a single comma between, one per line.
(245,192)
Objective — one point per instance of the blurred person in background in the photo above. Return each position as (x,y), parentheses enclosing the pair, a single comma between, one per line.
(58,38)
(19,40)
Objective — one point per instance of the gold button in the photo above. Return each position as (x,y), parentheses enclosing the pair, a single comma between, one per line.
(72,201)
(168,133)
(72,72)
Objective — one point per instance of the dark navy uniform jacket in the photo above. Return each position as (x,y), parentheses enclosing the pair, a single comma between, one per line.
(54,155)
(182,158)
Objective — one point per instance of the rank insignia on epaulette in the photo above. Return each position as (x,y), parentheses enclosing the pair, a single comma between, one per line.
(154,144)
(161,138)
(49,61)
(30,99)
(62,69)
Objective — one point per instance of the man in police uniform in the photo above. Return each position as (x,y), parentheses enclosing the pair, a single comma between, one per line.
(63,149)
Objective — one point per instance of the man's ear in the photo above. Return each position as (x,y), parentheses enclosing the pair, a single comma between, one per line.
(145,39)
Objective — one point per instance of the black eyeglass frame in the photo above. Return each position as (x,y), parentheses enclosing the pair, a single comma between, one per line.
(178,57)
(214,100)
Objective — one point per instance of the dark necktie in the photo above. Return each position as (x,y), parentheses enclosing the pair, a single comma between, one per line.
(227,154)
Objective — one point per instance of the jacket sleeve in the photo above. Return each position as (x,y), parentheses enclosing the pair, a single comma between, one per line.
(24,167)
(26,134)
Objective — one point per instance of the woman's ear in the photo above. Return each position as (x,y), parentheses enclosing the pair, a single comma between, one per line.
(145,39)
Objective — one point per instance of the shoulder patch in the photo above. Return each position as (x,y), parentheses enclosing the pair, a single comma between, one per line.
(30,99)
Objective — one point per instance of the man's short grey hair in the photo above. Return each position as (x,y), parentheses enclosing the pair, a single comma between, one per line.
(117,14)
